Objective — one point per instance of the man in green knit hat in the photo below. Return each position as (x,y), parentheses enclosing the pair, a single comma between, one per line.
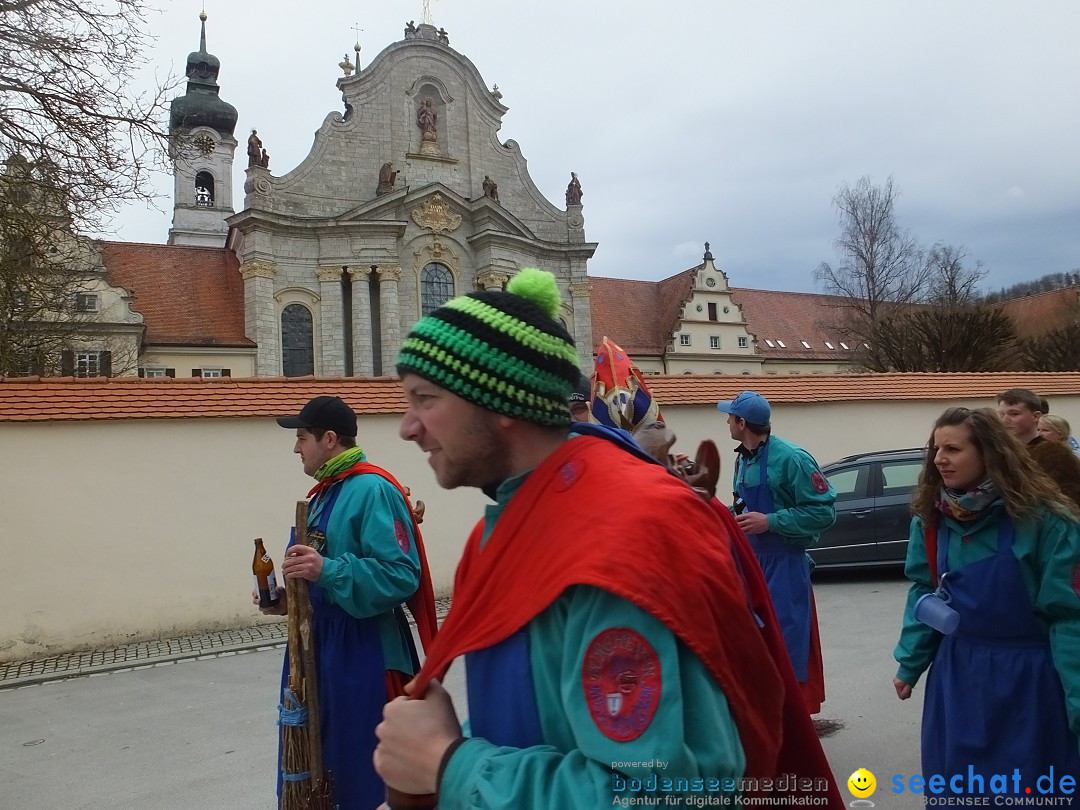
(610,650)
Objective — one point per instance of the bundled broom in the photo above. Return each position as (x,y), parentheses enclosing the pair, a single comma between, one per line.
(304,785)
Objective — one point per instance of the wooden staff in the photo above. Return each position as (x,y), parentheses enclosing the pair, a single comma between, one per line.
(307,647)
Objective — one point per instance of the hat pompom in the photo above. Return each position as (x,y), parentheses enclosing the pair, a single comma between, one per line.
(539,287)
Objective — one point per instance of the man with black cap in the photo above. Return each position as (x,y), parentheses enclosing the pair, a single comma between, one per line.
(580,400)
(609,645)
(366,558)
(783,503)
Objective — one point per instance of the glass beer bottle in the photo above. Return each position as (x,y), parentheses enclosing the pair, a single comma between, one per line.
(265,581)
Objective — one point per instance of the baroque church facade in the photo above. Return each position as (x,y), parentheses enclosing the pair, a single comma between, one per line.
(406,199)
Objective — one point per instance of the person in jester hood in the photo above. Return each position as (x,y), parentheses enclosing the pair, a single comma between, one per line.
(366,559)
(610,645)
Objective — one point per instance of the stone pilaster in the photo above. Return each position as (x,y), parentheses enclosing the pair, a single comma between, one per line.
(389,278)
(363,365)
(332,355)
(493,280)
(580,300)
(575,224)
(260,315)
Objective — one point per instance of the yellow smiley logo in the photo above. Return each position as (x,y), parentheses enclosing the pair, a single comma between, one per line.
(862,783)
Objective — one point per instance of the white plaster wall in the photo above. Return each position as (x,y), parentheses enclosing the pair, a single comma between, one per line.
(116,531)
(832,430)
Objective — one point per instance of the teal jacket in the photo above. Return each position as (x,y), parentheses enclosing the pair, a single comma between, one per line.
(802,496)
(1047,546)
(692,733)
(368,570)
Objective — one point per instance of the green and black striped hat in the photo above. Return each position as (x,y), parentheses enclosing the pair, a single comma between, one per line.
(503,351)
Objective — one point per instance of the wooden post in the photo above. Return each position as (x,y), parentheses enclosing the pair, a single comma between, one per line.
(311,687)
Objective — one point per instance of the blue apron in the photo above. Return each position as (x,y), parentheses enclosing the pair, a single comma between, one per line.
(786,568)
(351,681)
(994,700)
(502,698)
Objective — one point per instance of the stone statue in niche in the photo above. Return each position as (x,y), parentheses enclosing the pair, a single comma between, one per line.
(573,190)
(387,178)
(254,149)
(427,118)
(491,188)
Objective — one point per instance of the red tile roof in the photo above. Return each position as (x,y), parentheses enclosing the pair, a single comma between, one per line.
(1036,315)
(626,311)
(190,296)
(793,317)
(37,399)
(698,390)
(34,399)
(675,293)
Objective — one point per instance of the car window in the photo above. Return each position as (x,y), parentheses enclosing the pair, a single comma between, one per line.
(849,482)
(899,477)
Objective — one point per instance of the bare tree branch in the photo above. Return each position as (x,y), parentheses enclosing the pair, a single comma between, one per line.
(67,69)
(76,142)
(880,266)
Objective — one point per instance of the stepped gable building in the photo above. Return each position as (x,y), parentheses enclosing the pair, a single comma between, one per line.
(695,323)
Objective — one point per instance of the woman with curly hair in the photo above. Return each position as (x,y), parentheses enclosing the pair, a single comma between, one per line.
(994,555)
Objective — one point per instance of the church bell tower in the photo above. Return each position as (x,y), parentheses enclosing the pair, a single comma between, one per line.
(202,145)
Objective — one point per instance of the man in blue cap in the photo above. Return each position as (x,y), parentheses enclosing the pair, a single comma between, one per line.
(783,503)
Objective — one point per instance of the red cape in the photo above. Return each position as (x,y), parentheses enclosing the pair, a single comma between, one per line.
(593,514)
(801,752)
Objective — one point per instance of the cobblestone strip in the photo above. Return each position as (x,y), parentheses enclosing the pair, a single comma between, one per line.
(108,659)
(88,662)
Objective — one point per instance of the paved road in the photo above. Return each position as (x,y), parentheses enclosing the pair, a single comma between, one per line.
(201,733)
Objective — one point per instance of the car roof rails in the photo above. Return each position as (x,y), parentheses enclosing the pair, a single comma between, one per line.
(897,452)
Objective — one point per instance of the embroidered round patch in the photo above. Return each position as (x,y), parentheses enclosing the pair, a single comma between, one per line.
(402,535)
(818,482)
(567,475)
(622,681)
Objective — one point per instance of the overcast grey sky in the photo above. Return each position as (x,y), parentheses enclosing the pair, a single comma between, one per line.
(721,121)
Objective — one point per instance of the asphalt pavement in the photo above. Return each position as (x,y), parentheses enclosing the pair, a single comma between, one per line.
(197,728)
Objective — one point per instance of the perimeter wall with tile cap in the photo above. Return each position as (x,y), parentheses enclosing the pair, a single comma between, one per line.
(125,529)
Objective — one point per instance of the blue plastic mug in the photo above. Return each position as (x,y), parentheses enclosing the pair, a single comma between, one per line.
(934,611)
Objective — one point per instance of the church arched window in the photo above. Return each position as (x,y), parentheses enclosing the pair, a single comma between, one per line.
(204,189)
(436,287)
(297,341)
